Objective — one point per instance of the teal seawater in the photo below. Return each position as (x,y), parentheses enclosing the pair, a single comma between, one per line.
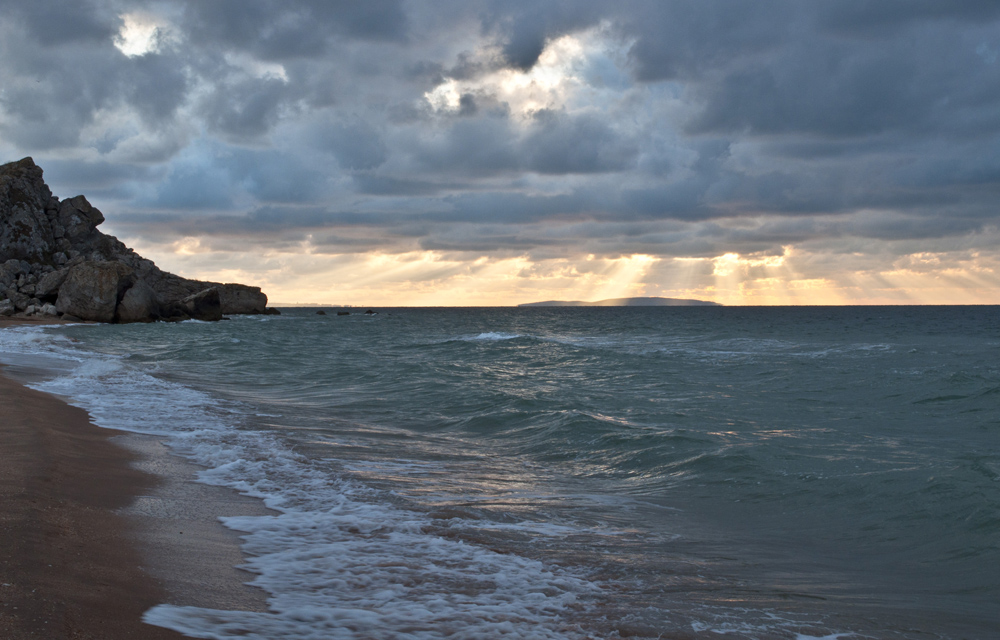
(756,472)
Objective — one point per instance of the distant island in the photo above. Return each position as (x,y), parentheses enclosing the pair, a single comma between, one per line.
(625,302)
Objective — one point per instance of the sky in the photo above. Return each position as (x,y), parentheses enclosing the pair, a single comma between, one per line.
(479,152)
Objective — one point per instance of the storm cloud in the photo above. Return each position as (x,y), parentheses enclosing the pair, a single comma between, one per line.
(677,129)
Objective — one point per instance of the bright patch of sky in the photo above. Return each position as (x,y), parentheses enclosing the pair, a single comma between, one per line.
(256,68)
(141,33)
(573,72)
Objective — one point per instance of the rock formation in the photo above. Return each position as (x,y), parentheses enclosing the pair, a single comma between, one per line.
(54,261)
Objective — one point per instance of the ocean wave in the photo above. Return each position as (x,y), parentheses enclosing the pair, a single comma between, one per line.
(492,336)
(337,559)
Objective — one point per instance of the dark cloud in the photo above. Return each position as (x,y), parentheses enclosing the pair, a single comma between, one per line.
(561,144)
(525,27)
(870,19)
(355,144)
(688,39)
(244,109)
(281,29)
(54,23)
(155,85)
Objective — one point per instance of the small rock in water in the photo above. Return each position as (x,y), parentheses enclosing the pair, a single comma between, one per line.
(204,305)
(321,313)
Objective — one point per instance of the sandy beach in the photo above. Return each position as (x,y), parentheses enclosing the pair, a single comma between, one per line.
(96,527)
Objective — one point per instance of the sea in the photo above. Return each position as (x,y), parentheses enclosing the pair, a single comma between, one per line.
(792,473)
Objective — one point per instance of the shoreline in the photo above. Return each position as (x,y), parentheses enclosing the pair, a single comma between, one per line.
(68,564)
(97,526)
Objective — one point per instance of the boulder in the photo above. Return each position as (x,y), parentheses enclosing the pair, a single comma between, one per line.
(204,305)
(138,304)
(7,308)
(48,286)
(49,309)
(92,290)
(8,273)
(19,300)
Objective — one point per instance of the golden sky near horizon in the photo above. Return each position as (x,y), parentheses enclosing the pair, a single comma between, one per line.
(432,279)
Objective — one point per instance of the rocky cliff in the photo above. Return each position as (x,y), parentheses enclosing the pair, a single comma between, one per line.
(54,261)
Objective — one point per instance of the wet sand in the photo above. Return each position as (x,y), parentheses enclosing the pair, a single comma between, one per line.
(97,526)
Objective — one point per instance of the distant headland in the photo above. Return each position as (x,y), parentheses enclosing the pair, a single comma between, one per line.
(54,262)
(625,302)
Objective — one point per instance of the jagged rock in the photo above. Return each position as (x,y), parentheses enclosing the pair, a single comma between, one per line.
(28,289)
(138,304)
(204,305)
(92,290)
(49,309)
(25,230)
(7,308)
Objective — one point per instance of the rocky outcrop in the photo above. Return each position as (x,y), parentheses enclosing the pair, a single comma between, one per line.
(51,253)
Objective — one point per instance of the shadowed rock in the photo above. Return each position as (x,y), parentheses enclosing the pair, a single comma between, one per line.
(204,305)
(138,304)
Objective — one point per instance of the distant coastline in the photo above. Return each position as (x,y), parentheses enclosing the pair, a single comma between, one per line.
(625,302)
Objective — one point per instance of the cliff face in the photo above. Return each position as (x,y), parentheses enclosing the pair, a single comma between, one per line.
(54,261)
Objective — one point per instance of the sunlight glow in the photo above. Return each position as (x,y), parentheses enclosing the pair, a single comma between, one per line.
(549,84)
(431,278)
(140,34)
